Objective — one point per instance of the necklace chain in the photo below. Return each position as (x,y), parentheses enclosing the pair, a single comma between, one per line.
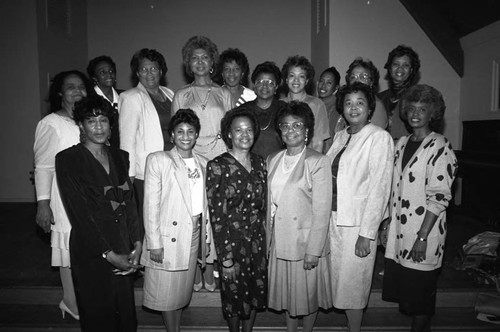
(205,102)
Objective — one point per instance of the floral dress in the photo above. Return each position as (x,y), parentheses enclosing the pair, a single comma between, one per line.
(237,205)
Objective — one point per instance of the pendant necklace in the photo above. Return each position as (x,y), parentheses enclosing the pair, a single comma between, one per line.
(205,102)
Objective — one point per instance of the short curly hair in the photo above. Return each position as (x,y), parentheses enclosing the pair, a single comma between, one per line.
(354,88)
(267,67)
(425,94)
(153,56)
(95,61)
(92,106)
(197,42)
(398,52)
(300,110)
(55,98)
(184,115)
(369,66)
(301,62)
(230,55)
(227,121)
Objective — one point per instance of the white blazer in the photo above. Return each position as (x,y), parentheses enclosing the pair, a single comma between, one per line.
(364,178)
(167,211)
(140,130)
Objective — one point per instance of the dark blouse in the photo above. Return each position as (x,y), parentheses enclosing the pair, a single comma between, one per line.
(100,206)
(269,140)
(410,149)
(335,171)
(163,110)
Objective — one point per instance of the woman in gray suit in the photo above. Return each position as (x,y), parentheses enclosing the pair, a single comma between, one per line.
(299,205)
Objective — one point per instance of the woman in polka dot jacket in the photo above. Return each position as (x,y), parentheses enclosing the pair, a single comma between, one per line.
(424,169)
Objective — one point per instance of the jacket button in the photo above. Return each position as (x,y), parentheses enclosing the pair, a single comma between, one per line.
(117,220)
(173,239)
(175,223)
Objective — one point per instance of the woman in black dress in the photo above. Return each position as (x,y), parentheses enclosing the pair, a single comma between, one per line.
(99,200)
(236,190)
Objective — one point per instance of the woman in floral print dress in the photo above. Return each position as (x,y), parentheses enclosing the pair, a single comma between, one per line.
(236,190)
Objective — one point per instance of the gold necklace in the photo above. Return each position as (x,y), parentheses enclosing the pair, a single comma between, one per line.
(204,103)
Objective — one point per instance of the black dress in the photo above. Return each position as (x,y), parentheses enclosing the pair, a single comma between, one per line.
(103,216)
(237,206)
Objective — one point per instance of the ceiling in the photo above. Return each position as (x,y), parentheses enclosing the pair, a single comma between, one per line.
(466,16)
(446,21)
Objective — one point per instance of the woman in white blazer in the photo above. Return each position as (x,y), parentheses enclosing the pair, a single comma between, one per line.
(145,117)
(361,158)
(175,220)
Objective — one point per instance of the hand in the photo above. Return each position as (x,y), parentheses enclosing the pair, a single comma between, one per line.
(417,253)
(229,274)
(310,261)
(44,216)
(121,263)
(135,254)
(362,248)
(156,255)
(383,235)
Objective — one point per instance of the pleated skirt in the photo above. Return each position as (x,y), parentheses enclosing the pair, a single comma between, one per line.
(300,292)
(171,290)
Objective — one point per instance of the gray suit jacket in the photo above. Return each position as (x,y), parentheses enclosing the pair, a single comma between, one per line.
(300,223)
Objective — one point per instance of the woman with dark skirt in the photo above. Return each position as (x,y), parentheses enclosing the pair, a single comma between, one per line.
(104,244)
(236,190)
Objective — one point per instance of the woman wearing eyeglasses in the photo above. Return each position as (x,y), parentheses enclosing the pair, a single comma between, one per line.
(361,171)
(364,71)
(299,204)
(266,77)
(145,116)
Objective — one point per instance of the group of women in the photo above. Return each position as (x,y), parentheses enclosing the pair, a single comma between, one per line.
(288,195)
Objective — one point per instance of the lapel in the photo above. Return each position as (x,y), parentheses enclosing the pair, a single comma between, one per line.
(294,178)
(181,178)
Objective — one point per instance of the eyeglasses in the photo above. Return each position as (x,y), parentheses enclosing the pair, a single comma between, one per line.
(269,83)
(144,71)
(295,126)
(363,77)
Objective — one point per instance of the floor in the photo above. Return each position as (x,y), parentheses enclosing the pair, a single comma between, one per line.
(27,265)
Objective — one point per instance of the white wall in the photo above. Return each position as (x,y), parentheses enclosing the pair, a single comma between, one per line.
(372,28)
(262,29)
(480,49)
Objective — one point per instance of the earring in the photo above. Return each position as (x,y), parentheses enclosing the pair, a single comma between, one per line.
(211,70)
(306,138)
(172,140)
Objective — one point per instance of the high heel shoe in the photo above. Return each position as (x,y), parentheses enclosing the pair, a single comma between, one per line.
(210,287)
(64,309)
(197,287)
